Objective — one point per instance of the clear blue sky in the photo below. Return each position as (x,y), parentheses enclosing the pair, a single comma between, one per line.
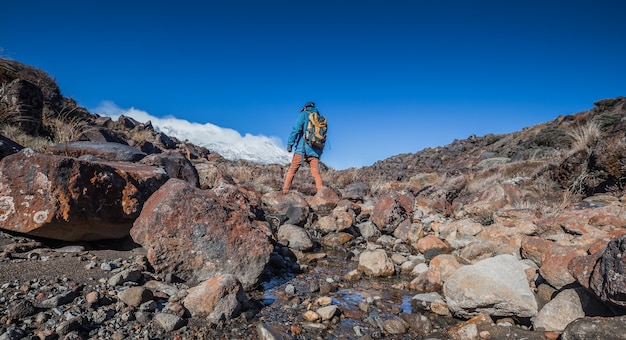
(415,73)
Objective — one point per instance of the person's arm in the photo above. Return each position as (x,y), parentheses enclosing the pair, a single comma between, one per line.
(297,130)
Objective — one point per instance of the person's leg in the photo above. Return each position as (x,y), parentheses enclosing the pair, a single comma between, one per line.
(314,164)
(293,168)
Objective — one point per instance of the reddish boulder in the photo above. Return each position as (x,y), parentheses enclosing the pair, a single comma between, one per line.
(390,210)
(554,267)
(196,234)
(324,201)
(291,208)
(69,199)
(552,259)
(533,248)
(431,246)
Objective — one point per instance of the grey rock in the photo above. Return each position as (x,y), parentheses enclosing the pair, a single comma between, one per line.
(496,286)
(169,322)
(596,328)
(130,275)
(60,299)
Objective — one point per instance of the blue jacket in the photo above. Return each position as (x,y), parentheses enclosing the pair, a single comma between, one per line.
(296,139)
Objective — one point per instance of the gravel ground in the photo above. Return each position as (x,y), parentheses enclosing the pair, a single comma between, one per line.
(28,259)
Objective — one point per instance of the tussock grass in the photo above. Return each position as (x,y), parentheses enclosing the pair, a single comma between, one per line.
(584,137)
(66,127)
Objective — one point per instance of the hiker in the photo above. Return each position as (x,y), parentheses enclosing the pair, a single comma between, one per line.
(304,152)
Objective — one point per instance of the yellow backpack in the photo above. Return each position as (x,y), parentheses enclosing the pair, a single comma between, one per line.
(315,132)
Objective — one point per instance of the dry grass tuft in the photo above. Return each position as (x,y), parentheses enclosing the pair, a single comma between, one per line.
(586,136)
(66,127)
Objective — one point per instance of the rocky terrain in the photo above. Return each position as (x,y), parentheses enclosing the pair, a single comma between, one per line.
(113,230)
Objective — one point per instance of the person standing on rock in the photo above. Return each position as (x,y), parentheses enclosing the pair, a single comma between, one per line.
(304,152)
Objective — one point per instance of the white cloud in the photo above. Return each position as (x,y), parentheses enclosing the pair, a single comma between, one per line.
(227,142)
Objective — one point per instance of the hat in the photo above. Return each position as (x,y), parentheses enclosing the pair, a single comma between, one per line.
(307,104)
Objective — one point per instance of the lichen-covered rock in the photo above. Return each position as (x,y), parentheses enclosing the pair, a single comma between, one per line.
(604,273)
(69,199)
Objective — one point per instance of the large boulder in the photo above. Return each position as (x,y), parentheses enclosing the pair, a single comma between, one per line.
(496,286)
(604,273)
(391,210)
(291,208)
(197,234)
(69,199)
(596,328)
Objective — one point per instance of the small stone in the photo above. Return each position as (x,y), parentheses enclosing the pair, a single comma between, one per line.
(169,322)
(551,335)
(295,330)
(92,297)
(123,277)
(395,326)
(327,313)
(135,296)
(353,275)
(107,266)
(176,308)
(314,326)
(486,335)
(324,301)
(440,308)
(311,316)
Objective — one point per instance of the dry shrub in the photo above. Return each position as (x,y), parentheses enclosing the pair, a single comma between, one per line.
(141,135)
(479,183)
